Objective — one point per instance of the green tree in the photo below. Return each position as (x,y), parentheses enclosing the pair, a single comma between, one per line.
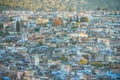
(64,58)
(44,24)
(70,19)
(84,19)
(17,26)
(6,32)
(11,19)
(97,64)
(37,29)
(77,19)
(1,26)
(1,33)
(40,43)
(70,9)
(98,9)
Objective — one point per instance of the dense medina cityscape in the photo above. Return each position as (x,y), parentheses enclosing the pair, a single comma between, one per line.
(62,45)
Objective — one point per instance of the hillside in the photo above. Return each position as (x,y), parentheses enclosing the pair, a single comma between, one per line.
(61,5)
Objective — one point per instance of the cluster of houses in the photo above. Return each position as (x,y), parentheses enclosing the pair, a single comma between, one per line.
(58,46)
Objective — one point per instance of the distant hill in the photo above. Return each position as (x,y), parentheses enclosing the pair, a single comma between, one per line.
(61,5)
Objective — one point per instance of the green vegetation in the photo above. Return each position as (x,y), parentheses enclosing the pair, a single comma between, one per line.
(44,24)
(1,26)
(97,64)
(1,33)
(40,43)
(17,26)
(98,8)
(84,19)
(4,33)
(11,19)
(64,58)
(74,27)
(37,29)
